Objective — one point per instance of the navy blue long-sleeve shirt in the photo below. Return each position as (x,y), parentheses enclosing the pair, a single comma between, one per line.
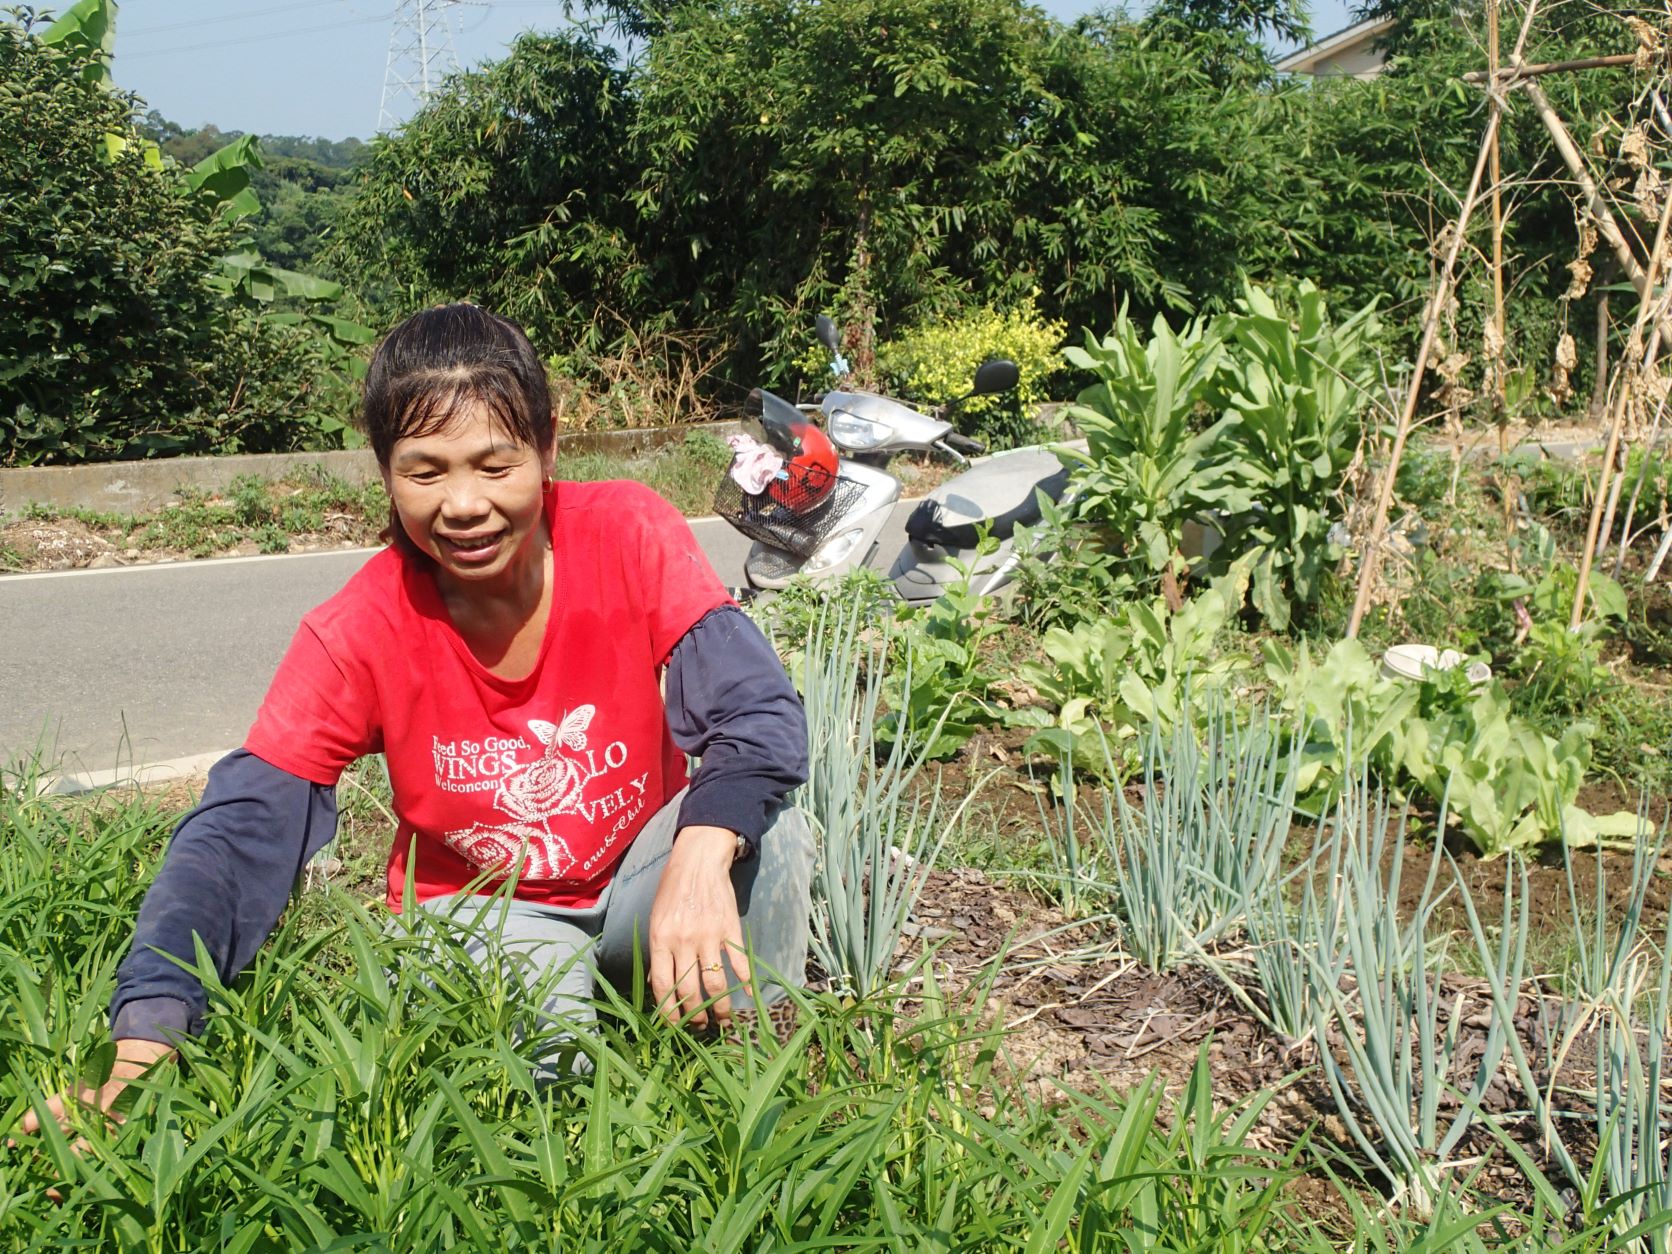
(233,860)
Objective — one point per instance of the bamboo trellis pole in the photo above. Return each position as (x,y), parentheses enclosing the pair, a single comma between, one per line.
(1660,556)
(1498,321)
(1630,371)
(1599,384)
(1595,203)
(1636,492)
(1555,67)
(1497,339)
(1654,429)
(1370,559)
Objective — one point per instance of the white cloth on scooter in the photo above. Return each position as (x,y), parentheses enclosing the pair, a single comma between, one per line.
(754,465)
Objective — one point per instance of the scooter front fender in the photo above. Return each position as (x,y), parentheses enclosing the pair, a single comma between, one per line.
(850,541)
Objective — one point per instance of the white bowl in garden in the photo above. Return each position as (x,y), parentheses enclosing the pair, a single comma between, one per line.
(1406,661)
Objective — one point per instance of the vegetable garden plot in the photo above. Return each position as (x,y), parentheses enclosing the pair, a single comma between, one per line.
(328,1101)
(1081,1016)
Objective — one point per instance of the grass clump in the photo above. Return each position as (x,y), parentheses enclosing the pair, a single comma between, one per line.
(268,513)
(364,1086)
(684,473)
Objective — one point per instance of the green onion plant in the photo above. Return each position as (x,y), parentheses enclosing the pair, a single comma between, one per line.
(1604,941)
(1217,803)
(1619,994)
(1286,938)
(1074,880)
(1503,968)
(1634,1128)
(878,838)
(1386,1031)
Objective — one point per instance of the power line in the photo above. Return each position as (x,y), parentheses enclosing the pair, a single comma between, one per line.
(226,17)
(250,39)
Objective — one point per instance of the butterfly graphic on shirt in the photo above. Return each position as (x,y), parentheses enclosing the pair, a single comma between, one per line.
(532,794)
(528,791)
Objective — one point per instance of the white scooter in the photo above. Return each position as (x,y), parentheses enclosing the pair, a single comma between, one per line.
(827,538)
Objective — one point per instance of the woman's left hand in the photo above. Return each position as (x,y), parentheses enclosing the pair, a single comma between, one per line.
(693,924)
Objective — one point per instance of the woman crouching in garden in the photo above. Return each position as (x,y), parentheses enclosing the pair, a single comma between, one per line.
(534,659)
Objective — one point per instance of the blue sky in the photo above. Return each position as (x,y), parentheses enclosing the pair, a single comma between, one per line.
(315,67)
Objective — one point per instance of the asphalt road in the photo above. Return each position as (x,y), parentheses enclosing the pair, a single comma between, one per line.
(103,672)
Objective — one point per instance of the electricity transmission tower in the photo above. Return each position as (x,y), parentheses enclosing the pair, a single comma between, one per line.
(420,55)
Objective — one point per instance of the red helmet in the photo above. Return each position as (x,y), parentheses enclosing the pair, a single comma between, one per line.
(809,472)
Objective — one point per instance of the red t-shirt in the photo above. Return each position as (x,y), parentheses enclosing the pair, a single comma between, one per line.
(559,769)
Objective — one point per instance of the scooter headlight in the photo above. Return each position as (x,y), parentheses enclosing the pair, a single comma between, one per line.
(834,551)
(853,432)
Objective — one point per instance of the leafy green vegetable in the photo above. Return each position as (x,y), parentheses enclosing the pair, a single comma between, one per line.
(1510,786)
(940,684)
(1110,678)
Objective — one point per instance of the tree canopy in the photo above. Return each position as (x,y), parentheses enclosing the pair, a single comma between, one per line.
(761,160)
(136,319)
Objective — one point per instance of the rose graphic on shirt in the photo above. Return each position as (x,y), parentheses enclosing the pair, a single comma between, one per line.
(544,856)
(533,793)
(551,785)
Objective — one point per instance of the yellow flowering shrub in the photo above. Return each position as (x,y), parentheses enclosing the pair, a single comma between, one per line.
(935,362)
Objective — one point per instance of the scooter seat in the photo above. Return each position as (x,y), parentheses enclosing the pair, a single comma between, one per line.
(1000,495)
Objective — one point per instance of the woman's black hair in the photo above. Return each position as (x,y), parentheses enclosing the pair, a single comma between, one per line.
(428,369)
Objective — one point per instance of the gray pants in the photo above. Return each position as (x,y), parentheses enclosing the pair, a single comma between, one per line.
(774,899)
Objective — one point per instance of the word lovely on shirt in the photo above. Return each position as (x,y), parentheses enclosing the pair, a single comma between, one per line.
(559,780)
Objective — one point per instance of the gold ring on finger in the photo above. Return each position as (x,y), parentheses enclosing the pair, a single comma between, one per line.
(713,966)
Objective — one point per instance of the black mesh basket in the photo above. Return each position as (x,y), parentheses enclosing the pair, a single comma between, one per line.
(761,518)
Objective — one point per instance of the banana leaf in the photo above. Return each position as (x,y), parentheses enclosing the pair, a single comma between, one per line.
(224,175)
(89,25)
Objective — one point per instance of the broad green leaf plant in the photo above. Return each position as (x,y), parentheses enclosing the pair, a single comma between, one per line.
(1510,786)
(1247,423)
(1150,465)
(939,686)
(1298,387)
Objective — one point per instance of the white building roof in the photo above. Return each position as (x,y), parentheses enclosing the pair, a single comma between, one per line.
(1354,42)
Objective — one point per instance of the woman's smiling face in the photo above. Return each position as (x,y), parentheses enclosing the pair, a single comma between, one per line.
(470,496)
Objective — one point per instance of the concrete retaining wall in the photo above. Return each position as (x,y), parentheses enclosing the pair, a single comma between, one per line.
(135,487)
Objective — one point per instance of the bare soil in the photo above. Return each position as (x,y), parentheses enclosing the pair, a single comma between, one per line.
(61,544)
(1081,1015)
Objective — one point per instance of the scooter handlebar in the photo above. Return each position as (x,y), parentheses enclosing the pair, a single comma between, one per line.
(963,443)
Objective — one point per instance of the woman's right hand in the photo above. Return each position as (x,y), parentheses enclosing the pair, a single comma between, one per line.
(133,1059)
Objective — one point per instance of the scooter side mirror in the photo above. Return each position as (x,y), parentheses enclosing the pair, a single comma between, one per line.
(825,329)
(995,376)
